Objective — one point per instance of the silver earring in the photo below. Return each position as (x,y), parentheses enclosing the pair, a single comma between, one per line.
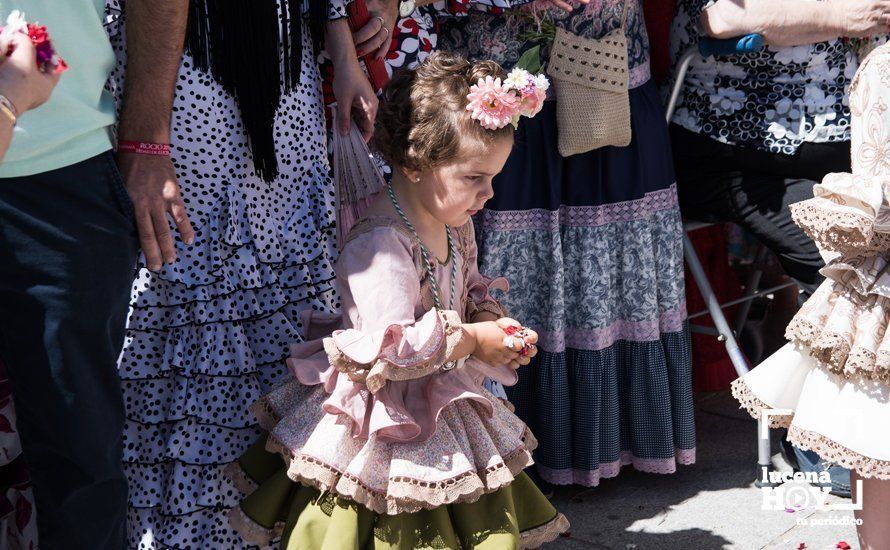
(417,180)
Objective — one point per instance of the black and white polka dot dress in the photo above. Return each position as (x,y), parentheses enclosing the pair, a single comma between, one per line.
(208,335)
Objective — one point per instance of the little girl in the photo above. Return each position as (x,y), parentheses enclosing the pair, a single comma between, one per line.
(389,438)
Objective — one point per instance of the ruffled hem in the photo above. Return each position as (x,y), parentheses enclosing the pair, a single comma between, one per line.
(751,403)
(251,531)
(817,402)
(175,488)
(193,351)
(539,536)
(405,494)
(254,533)
(839,231)
(848,214)
(361,468)
(836,354)
(234,262)
(239,478)
(862,275)
(186,442)
(828,449)
(845,332)
(607,470)
(832,451)
(151,529)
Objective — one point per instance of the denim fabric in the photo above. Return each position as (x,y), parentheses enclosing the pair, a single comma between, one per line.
(67,255)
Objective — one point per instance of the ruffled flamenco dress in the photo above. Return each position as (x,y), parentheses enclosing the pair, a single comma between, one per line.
(373,444)
(835,372)
(208,335)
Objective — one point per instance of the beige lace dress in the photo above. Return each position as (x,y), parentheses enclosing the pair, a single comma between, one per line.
(833,378)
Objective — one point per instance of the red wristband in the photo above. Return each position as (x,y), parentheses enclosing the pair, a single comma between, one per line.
(138,147)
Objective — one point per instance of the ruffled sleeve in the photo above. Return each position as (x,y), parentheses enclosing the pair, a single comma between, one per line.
(479,287)
(388,341)
(848,214)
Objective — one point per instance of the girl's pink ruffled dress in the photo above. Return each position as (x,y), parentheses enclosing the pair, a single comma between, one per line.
(371,416)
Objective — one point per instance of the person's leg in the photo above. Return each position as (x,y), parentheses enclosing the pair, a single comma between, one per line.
(874,533)
(703,170)
(760,204)
(67,255)
(718,182)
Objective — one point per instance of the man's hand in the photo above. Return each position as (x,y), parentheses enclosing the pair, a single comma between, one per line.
(376,35)
(151,182)
(155,36)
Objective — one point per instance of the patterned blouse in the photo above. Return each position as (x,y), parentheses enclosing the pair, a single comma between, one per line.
(484,36)
(773,100)
(415,37)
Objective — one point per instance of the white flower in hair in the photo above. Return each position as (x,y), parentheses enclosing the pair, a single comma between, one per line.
(518,79)
(542,83)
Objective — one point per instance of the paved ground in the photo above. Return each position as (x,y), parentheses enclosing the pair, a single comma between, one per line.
(711,505)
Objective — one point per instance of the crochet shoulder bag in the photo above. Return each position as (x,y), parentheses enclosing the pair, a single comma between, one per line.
(590,77)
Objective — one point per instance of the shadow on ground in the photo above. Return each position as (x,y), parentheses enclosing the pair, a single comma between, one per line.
(710,505)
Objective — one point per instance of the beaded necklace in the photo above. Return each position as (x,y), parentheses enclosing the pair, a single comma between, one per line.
(424,254)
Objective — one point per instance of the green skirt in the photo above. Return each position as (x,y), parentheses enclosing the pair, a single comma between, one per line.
(515,516)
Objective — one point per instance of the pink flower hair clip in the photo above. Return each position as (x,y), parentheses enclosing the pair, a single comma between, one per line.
(495,103)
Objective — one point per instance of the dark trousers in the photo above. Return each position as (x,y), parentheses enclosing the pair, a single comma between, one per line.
(753,188)
(67,256)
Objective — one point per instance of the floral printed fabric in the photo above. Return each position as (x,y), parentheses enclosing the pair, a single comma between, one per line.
(417,35)
(484,36)
(18,520)
(773,100)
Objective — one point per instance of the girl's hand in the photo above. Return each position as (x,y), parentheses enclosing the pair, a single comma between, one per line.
(490,348)
(530,337)
(21,81)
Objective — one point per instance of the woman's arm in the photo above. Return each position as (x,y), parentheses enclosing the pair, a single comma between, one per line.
(794,22)
(355,97)
(21,83)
